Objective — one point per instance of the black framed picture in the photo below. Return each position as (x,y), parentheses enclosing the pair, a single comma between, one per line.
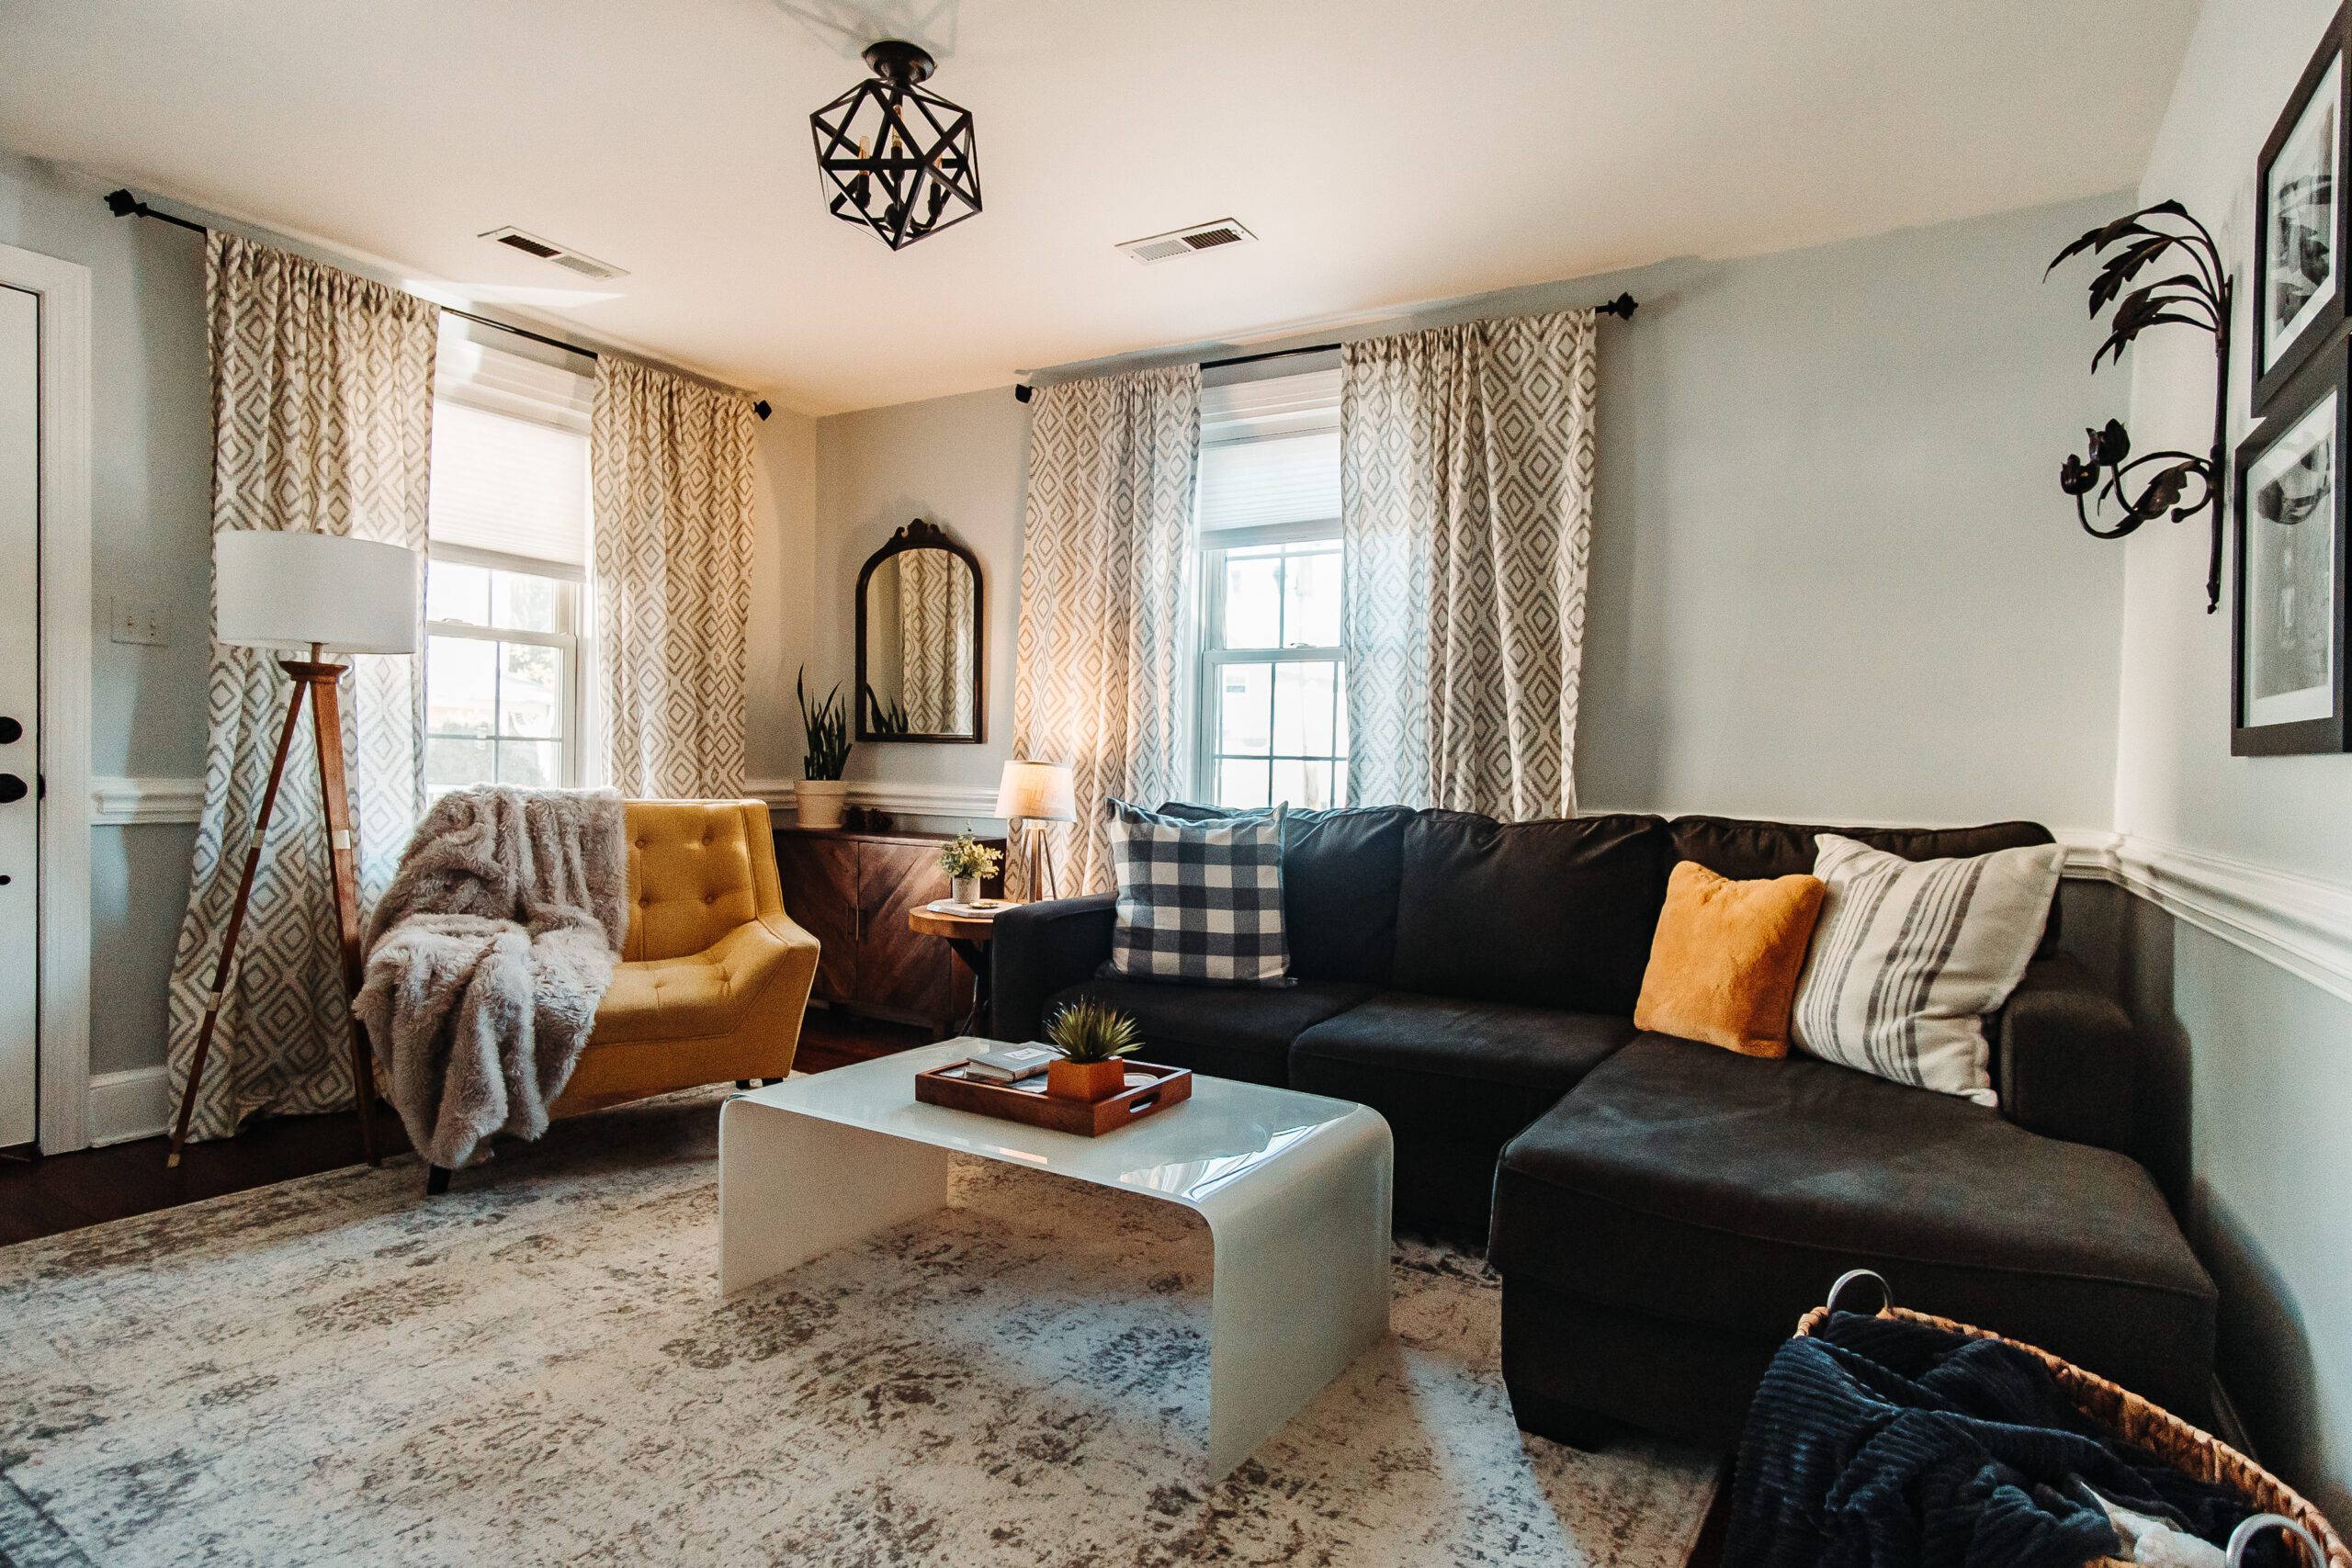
(2288,612)
(2302,235)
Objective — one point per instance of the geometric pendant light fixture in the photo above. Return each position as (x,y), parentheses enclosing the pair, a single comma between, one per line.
(895,158)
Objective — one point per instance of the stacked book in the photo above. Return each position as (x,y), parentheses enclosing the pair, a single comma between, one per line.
(1012,1063)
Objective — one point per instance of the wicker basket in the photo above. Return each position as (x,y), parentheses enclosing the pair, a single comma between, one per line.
(2119,1410)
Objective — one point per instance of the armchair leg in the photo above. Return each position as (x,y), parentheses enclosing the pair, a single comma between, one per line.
(742,1083)
(436,1181)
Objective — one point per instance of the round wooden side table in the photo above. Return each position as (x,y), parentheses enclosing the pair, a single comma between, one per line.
(968,936)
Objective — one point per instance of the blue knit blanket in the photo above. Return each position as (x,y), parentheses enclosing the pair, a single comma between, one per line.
(1879,1443)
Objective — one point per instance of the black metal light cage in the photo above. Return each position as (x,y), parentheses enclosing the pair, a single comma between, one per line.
(896,159)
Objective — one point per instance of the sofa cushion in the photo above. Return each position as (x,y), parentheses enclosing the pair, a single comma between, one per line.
(1340,874)
(1443,1067)
(1226,1031)
(1737,847)
(1729,1191)
(1552,914)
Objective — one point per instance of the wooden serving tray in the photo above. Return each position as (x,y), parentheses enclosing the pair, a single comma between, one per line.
(1035,1108)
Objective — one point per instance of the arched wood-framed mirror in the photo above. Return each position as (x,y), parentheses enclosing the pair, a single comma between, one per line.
(920,665)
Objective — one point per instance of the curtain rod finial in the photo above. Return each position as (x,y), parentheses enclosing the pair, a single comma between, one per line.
(762,408)
(1023,392)
(121,203)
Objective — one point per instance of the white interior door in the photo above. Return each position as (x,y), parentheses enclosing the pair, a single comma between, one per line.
(19,711)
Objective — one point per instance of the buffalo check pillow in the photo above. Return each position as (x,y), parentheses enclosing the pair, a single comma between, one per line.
(1908,956)
(1198,901)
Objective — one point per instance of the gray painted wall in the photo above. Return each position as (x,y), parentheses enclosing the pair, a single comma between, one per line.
(1832,577)
(151,490)
(962,463)
(2257,1061)
(1824,489)
(2253,1084)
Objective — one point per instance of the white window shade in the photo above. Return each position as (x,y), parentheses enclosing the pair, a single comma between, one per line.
(509,486)
(546,385)
(1269,458)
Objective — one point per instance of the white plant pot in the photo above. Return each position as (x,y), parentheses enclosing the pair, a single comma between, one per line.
(963,889)
(818,802)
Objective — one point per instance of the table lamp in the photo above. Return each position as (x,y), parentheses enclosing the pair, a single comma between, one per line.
(1035,794)
(306,594)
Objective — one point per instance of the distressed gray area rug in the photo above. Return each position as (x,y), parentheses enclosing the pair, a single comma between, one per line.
(539,1369)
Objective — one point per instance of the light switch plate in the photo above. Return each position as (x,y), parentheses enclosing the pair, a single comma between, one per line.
(136,621)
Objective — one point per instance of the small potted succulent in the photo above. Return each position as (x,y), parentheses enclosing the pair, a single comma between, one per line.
(1092,1038)
(819,797)
(967,862)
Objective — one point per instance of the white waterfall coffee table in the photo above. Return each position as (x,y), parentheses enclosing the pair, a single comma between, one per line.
(1295,1189)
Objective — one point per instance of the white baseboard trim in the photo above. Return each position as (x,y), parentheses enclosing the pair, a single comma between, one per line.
(136,1103)
(976,802)
(127,803)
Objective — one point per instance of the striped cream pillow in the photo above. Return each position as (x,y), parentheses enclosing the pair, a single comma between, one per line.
(1910,955)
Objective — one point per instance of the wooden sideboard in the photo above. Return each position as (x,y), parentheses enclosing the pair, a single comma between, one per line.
(853,892)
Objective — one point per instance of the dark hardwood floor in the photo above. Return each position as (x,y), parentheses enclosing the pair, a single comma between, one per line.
(61,1192)
(832,1039)
(41,1197)
(1707,1552)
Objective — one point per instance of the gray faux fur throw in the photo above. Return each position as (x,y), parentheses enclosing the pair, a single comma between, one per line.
(487,957)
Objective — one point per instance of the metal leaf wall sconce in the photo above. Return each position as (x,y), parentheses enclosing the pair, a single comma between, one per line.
(2183,483)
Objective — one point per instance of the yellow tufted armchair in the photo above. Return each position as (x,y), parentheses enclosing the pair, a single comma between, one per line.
(714,976)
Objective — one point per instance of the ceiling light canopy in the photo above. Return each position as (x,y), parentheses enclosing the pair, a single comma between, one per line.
(895,158)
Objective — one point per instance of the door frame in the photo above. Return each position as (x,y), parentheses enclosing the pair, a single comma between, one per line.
(65,760)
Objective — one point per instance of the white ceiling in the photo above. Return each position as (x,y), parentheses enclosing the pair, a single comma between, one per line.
(1386,152)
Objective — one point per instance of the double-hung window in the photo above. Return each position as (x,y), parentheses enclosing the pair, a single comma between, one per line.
(1272,722)
(509,545)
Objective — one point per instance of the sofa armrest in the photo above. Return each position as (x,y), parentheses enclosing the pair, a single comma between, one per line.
(2066,1060)
(1039,948)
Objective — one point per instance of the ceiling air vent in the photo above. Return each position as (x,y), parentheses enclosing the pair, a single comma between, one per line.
(1185,242)
(547,250)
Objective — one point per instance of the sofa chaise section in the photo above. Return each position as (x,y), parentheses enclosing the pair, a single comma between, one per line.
(1685,1205)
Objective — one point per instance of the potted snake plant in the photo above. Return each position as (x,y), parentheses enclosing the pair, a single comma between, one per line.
(1092,1038)
(819,797)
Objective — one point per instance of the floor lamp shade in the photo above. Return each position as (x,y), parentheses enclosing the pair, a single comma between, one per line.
(294,590)
(1037,791)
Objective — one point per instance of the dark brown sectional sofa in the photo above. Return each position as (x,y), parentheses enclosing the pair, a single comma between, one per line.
(1660,1212)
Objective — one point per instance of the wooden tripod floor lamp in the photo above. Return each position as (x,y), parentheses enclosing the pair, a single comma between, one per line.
(306,593)
(1035,794)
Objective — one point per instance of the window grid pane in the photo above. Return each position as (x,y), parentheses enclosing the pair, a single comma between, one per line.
(1275,725)
(496,713)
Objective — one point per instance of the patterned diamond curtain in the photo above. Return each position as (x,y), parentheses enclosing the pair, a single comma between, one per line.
(671,459)
(321,420)
(1465,484)
(1105,679)
(935,642)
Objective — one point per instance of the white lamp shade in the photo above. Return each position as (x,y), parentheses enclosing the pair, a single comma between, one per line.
(1039,790)
(292,589)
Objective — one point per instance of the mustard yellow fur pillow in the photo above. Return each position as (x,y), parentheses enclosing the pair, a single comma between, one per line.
(1724,965)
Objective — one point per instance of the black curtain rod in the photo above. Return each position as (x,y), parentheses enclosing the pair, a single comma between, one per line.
(122,204)
(1624,306)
